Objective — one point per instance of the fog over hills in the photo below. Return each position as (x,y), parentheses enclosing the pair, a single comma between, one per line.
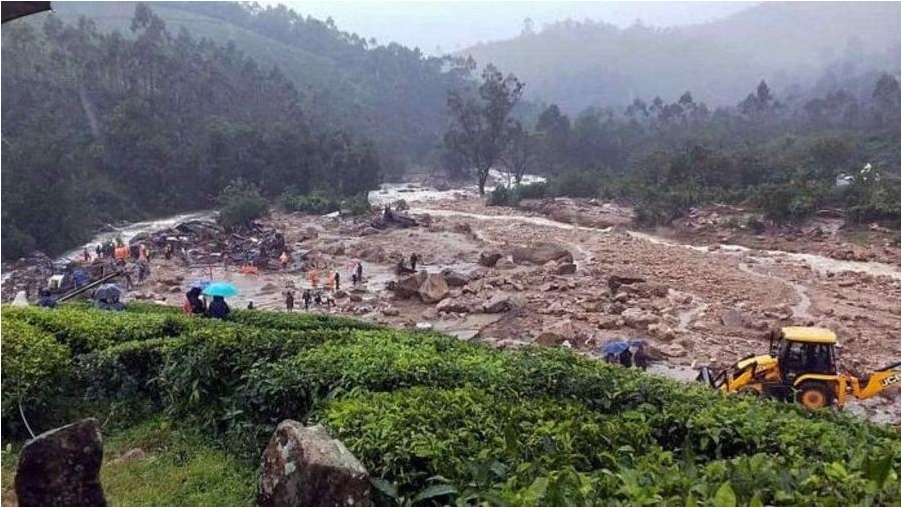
(791,45)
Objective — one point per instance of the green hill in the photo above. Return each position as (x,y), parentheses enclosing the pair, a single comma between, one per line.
(534,426)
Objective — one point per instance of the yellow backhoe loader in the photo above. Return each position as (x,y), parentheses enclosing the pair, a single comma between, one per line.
(801,366)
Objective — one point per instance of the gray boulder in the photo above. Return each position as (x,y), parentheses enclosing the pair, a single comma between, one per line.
(434,289)
(489,259)
(61,467)
(541,253)
(455,279)
(304,466)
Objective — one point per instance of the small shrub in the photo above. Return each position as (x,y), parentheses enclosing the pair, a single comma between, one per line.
(240,203)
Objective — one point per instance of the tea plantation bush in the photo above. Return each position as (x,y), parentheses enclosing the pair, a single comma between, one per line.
(437,420)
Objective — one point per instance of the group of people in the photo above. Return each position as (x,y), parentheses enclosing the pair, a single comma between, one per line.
(309,298)
(196,304)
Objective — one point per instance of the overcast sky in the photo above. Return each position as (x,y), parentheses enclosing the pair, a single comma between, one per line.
(454,25)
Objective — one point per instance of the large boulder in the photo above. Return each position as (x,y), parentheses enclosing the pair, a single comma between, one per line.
(541,253)
(489,259)
(638,318)
(434,289)
(455,279)
(61,467)
(556,334)
(409,287)
(497,305)
(304,466)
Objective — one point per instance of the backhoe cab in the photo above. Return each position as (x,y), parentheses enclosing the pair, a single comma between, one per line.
(800,366)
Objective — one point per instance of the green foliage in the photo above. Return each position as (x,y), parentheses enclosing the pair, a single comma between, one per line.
(322,202)
(118,127)
(240,203)
(441,421)
(33,365)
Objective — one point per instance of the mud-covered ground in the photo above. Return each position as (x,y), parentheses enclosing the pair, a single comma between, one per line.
(701,302)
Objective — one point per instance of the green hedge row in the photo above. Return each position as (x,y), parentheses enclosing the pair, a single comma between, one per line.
(438,420)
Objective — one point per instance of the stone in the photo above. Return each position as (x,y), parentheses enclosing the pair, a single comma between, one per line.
(505,264)
(643,289)
(565,269)
(455,279)
(61,467)
(661,331)
(541,253)
(489,259)
(609,323)
(304,466)
(618,279)
(638,318)
(497,305)
(616,308)
(409,287)
(390,311)
(556,334)
(434,289)
(732,318)
(355,297)
(452,305)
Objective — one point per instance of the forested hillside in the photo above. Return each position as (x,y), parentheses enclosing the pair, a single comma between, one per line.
(102,126)
(579,64)
(392,94)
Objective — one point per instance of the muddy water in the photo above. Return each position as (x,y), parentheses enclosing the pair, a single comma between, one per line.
(129,231)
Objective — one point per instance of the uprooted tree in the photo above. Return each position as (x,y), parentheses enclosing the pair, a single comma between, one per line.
(481,121)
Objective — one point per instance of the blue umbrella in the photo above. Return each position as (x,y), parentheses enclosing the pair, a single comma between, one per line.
(614,347)
(199,284)
(220,289)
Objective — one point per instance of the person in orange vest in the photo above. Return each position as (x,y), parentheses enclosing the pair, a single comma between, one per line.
(313,276)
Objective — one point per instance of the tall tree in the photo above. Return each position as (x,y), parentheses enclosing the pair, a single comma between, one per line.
(480,123)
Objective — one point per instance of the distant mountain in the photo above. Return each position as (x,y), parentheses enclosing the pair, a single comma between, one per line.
(791,45)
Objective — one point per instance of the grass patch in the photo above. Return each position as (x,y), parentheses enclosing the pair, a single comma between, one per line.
(180,468)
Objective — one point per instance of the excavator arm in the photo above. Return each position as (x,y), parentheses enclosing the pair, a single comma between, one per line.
(875,383)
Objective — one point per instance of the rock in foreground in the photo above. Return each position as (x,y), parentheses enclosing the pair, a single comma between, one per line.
(61,467)
(304,466)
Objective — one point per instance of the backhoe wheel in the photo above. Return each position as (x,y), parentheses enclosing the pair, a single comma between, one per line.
(815,394)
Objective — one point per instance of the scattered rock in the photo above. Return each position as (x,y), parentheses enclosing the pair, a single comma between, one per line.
(505,264)
(452,305)
(541,253)
(610,323)
(355,297)
(661,331)
(556,334)
(434,289)
(565,269)
(409,287)
(61,467)
(489,259)
(616,308)
(732,318)
(390,311)
(497,305)
(638,318)
(618,279)
(304,466)
(455,279)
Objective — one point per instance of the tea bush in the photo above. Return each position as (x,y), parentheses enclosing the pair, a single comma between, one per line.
(438,420)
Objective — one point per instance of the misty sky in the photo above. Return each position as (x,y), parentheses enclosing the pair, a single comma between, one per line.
(456,25)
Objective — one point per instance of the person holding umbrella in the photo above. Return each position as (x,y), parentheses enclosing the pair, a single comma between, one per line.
(218,307)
